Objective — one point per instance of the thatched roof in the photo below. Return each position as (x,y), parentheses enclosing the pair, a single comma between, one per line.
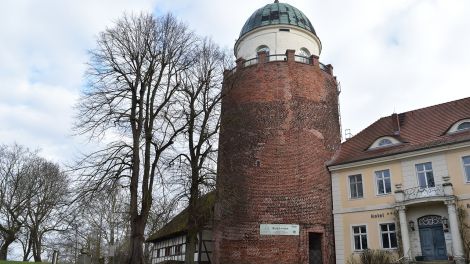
(178,225)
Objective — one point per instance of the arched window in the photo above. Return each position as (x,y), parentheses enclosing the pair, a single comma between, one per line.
(263,48)
(385,142)
(304,52)
(463,126)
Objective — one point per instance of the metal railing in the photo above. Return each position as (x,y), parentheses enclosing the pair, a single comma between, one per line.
(303,59)
(423,192)
(277,57)
(250,62)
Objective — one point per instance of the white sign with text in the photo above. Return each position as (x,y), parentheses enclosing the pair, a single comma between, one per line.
(278,230)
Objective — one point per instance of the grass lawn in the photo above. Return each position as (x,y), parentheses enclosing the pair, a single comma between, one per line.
(16,262)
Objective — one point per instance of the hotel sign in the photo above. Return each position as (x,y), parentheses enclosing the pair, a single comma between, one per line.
(278,230)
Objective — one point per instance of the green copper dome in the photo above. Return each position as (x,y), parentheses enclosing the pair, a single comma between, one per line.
(277,14)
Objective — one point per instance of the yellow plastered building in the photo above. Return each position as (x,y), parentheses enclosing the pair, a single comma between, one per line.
(400,183)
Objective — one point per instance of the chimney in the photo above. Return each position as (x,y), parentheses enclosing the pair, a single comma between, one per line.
(395,124)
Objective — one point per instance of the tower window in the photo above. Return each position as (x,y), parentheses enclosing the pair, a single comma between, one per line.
(263,48)
(284,29)
(304,52)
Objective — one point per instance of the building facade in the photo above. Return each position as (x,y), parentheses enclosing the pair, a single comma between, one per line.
(168,244)
(279,126)
(403,184)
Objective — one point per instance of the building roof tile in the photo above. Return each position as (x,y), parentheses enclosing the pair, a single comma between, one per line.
(179,224)
(418,129)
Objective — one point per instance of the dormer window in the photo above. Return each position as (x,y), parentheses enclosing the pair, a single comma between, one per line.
(384,142)
(460,126)
(463,126)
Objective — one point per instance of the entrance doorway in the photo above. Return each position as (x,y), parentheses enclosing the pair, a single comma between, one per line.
(431,235)
(314,248)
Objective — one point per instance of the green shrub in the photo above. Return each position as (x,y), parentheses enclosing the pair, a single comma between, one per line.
(372,256)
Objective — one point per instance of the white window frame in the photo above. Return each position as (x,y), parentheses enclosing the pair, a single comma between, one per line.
(361,235)
(376,144)
(264,48)
(304,52)
(464,166)
(388,232)
(349,187)
(425,171)
(376,177)
(455,127)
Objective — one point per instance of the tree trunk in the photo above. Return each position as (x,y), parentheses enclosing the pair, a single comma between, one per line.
(191,241)
(193,225)
(36,249)
(136,252)
(27,250)
(4,247)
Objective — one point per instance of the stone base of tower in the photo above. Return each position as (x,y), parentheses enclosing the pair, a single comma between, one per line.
(280,125)
(275,249)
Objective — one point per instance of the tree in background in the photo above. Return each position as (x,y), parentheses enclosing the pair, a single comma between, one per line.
(133,76)
(33,194)
(15,192)
(47,210)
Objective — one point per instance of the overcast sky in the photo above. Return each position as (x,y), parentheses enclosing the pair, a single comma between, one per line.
(389,55)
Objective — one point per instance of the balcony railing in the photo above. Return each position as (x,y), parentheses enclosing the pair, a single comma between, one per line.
(302,59)
(423,192)
(279,57)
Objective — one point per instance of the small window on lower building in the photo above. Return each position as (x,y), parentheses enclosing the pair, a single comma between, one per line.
(425,175)
(466,167)
(167,251)
(389,236)
(360,237)
(355,186)
(178,250)
(382,178)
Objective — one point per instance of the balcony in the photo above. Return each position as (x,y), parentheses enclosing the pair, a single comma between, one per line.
(423,194)
(288,56)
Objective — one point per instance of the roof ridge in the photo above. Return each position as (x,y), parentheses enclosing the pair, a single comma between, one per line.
(435,106)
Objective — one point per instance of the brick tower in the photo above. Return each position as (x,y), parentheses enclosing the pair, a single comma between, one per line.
(280,125)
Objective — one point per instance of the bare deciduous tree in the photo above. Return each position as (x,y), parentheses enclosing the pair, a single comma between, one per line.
(133,76)
(47,208)
(15,192)
(201,95)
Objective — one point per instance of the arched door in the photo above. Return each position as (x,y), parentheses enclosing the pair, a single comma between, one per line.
(431,234)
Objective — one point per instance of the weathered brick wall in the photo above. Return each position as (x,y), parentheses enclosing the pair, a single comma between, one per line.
(280,125)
